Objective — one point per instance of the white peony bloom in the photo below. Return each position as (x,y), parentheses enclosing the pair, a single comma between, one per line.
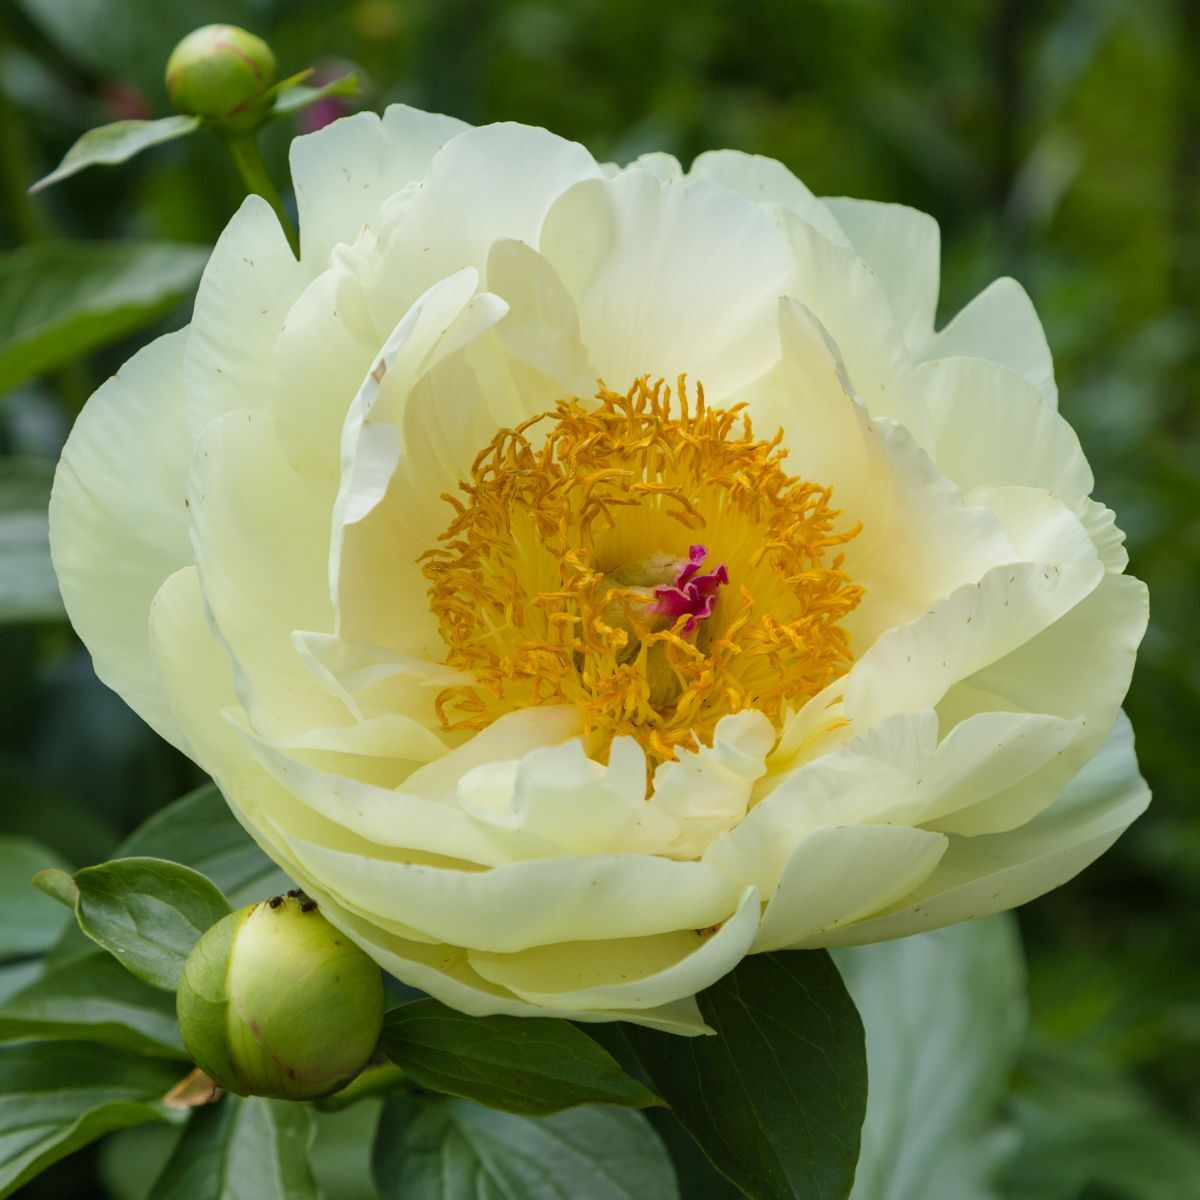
(578,577)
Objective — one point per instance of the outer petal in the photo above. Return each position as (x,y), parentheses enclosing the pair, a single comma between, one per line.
(990,426)
(984,875)
(767,181)
(843,873)
(670,279)
(118,526)
(344,172)
(505,909)
(1001,325)
(903,247)
(246,290)
(626,974)
(446,974)
(443,225)
(261,545)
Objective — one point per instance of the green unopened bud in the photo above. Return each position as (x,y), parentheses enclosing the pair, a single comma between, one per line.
(276,1002)
(221,71)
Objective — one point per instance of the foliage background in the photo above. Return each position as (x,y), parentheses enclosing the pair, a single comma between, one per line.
(1055,140)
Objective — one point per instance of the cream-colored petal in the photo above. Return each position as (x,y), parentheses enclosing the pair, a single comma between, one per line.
(917,541)
(505,909)
(903,247)
(559,795)
(371,440)
(1002,326)
(118,526)
(1101,524)
(1040,527)
(660,164)
(982,875)
(841,874)
(706,791)
(913,666)
(670,279)
(194,670)
(445,973)
(247,288)
(326,345)
(541,329)
(446,223)
(513,734)
(630,973)
(895,774)
(767,181)
(344,172)
(389,818)
(261,545)
(991,427)
(411,435)
(850,302)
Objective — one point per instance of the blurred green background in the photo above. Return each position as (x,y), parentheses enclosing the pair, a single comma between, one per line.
(1054,140)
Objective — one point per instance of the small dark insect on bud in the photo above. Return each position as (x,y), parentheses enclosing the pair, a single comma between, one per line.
(275,901)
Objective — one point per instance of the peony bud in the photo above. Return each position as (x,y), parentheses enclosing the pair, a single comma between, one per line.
(220,71)
(274,1001)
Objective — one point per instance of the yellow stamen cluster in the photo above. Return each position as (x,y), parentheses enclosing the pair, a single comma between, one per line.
(523,583)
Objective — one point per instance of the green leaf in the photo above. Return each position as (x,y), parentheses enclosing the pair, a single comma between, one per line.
(30,923)
(298,96)
(28,586)
(94,999)
(1085,1129)
(444,1149)
(776,1099)
(535,1067)
(148,913)
(57,1096)
(60,300)
(937,1085)
(130,1160)
(117,143)
(241,1149)
(199,831)
(341,1153)
(58,885)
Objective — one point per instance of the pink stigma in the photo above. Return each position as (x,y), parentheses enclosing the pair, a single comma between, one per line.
(692,594)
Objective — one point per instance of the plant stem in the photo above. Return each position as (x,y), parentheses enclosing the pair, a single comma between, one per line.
(374,1081)
(243,149)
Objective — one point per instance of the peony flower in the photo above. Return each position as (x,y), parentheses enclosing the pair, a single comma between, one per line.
(579,577)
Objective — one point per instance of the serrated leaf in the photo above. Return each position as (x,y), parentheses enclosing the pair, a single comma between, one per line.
(447,1149)
(107,145)
(298,96)
(62,299)
(535,1067)
(56,1097)
(148,913)
(937,1085)
(94,999)
(199,831)
(30,922)
(241,1149)
(776,1099)
(28,586)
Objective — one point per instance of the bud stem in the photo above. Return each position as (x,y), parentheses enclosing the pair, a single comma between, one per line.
(243,149)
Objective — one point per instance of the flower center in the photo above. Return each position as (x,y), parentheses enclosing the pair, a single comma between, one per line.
(563,577)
